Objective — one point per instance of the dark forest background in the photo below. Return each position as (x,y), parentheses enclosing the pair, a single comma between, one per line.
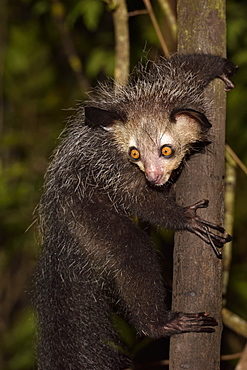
(44,73)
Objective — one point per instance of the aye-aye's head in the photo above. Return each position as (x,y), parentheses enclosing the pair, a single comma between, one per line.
(155,118)
(151,139)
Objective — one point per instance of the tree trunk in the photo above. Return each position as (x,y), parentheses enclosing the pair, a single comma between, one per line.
(197,280)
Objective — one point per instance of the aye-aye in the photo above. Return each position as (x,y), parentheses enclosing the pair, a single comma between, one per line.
(117,159)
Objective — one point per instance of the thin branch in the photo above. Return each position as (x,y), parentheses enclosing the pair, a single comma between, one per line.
(170,17)
(234,322)
(242,365)
(120,19)
(156,27)
(232,356)
(236,159)
(230,189)
(137,12)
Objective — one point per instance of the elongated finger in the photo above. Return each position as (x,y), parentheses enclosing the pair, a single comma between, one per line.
(200,204)
(218,253)
(203,232)
(213,226)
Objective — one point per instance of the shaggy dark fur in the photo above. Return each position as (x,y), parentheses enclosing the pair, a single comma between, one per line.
(94,259)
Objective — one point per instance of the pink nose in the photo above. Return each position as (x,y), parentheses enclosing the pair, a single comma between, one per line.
(154,177)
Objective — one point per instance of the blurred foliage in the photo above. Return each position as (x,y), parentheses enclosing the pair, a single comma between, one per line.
(37,90)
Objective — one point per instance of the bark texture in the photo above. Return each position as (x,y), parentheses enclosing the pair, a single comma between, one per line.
(197,282)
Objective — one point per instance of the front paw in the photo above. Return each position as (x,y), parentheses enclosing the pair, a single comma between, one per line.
(201,227)
(180,322)
(190,322)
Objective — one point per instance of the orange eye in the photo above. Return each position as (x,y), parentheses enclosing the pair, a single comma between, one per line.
(134,154)
(167,151)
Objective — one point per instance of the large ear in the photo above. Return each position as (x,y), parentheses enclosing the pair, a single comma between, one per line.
(95,117)
(199,117)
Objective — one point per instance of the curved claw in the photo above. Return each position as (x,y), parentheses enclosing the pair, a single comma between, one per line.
(229,84)
(230,70)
